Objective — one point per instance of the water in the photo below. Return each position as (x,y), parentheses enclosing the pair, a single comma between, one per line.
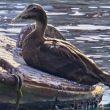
(85,23)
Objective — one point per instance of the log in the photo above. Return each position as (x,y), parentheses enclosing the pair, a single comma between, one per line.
(40,90)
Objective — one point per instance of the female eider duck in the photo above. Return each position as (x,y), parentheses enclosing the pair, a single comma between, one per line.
(57,57)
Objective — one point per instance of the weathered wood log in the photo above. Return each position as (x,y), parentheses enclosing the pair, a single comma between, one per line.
(40,90)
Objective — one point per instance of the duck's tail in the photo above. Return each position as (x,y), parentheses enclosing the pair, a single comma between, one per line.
(104,77)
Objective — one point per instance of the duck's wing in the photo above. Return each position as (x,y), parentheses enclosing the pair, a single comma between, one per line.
(51,31)
(64,50)
(66,62)
(71,49)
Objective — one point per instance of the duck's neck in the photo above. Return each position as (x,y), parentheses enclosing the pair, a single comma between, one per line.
(41,23)
(39,31)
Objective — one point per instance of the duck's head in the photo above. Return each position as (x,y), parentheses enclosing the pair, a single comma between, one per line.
(34,12)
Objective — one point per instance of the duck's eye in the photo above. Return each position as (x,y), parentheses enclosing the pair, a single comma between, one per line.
(33,8)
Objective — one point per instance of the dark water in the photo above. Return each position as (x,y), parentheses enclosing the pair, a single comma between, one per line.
(85,23)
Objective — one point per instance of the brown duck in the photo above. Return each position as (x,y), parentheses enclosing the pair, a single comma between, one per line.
(57,57)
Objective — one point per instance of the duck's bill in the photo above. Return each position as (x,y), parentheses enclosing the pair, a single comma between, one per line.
(19,17)
(16,19)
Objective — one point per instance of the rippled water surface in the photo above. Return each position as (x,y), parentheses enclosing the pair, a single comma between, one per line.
(85,23)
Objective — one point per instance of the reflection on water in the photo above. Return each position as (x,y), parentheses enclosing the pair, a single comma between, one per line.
(84,23)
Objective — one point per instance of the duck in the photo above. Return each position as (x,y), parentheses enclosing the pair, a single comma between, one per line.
(54,56)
